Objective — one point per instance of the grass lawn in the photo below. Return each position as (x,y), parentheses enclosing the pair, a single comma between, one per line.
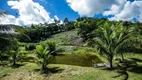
(30,71)
(56,72)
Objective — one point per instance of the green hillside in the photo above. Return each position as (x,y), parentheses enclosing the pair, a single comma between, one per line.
(67,38)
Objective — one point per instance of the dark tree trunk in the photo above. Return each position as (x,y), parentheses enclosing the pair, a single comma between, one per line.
(14,59)
(110,61)
(43,67)
(122,57)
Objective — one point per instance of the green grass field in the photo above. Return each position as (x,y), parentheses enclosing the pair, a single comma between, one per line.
(30,71)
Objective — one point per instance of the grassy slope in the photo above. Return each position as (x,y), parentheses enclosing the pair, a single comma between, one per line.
(30,71)
(69,37)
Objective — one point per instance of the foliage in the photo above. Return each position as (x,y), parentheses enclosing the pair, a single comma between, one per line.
(112,38)
(6,44)
(45,52)
(16,52)
(85,27)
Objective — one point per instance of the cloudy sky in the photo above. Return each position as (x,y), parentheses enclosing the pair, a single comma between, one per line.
(26,12)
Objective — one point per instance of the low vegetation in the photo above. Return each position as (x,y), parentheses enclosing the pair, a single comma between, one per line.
(71,51)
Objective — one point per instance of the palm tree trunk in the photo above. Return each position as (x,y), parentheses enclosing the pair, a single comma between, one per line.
(122,57)
(44,65)
(110,61)
(14,59)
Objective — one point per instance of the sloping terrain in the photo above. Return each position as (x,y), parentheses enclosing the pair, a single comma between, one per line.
(67,38)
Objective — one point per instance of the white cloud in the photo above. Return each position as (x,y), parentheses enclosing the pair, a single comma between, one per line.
(56,17)
(130,10)
(140,17)
(115,8)
(89,7)
(7,19)
(119,9)
(29,13)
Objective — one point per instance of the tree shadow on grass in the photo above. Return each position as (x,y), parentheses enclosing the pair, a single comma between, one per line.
(50,70)
(128,65)
(120,72)
(137,70)
(122,68)
(3,75)
(124,72)
(17,65)
(136,59)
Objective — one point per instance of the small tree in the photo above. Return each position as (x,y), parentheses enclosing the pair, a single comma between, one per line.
(45,52)
(111,39)
(16,52)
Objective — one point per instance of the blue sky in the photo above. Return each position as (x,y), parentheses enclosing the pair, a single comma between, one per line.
(55,7)
(126,10)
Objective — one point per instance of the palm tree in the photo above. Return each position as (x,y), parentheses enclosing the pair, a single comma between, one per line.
(16,51)
(111,38)
(14,54)
(44,53)
(123,38)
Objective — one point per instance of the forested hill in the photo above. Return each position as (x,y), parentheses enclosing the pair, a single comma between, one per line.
(84,26)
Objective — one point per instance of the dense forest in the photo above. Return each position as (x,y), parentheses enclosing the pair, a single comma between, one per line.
(94,42)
